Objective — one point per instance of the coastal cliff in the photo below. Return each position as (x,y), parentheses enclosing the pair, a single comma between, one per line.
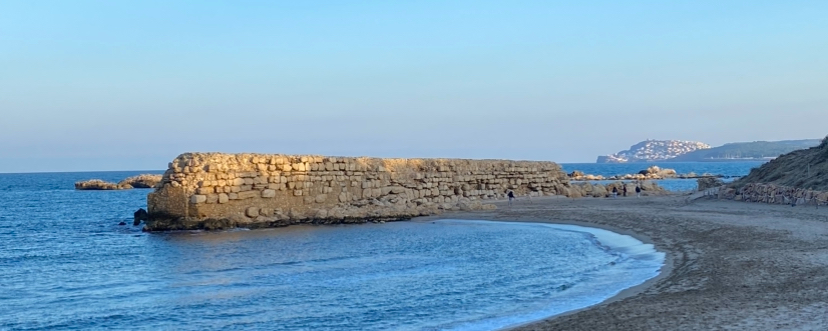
(215,191)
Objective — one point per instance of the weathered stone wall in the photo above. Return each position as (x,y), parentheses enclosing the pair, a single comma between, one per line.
(213,190)
(774,194)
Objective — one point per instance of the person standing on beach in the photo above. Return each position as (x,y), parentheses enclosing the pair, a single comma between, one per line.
(511,195)
(625,190)
(638,191)
(614,192)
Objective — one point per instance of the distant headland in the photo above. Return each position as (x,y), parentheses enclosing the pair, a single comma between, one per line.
(692,151)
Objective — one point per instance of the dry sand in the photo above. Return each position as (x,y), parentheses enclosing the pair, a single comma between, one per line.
(730,265)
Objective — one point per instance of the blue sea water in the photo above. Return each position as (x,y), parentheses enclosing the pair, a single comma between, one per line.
(730,170)
(65,264)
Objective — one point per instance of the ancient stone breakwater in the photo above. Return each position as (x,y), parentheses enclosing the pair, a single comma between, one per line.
(214,190)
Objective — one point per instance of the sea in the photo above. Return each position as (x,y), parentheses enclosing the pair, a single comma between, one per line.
(67,264)
(729,170)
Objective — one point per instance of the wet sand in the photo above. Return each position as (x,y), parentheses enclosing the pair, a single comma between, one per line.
(730,265)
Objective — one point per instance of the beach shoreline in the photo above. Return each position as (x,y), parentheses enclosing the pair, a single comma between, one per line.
(728,265)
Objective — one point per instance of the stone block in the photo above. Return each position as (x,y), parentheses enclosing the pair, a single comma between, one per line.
(198,198)
(252,212)
(248,194)
(268,193)
(223,198)
(267,212)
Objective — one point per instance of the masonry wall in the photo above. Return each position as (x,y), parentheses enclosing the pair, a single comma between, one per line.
(774,194)
(213,190)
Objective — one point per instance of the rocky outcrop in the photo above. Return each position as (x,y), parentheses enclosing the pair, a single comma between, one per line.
(141,181)
(801,169)
(213,190)
(653,150)
(796,178)
(97,184)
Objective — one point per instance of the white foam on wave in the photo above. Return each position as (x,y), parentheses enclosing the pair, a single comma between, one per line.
(614,241)
(622,243)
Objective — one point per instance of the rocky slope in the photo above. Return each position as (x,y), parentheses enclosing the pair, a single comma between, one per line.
(653,150)
(802,169)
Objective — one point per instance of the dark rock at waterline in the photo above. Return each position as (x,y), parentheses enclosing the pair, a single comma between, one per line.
(122,223)
(139,215)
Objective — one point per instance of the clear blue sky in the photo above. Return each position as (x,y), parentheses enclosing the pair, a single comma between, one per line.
(112,85)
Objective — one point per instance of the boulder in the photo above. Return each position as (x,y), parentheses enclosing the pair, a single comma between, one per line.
(252,212)
(599,191)
(139,216)
(708,182)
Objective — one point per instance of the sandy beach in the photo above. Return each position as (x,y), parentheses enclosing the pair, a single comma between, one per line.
(730,265)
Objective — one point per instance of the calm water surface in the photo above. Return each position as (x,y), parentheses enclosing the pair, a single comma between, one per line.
(65,264)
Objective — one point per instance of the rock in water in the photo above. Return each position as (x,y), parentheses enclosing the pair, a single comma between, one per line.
(122,223)
(141,181)
(96,184)
(139,215)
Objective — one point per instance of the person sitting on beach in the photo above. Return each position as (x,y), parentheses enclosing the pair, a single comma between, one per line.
(614,192)
(638,191)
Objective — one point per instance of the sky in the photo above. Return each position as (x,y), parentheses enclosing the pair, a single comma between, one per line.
(129,85)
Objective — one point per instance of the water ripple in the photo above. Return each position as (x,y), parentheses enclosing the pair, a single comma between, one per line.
(67,265)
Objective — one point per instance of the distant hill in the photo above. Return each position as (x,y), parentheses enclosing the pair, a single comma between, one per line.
(653,150)
(757,150)
(803,168)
